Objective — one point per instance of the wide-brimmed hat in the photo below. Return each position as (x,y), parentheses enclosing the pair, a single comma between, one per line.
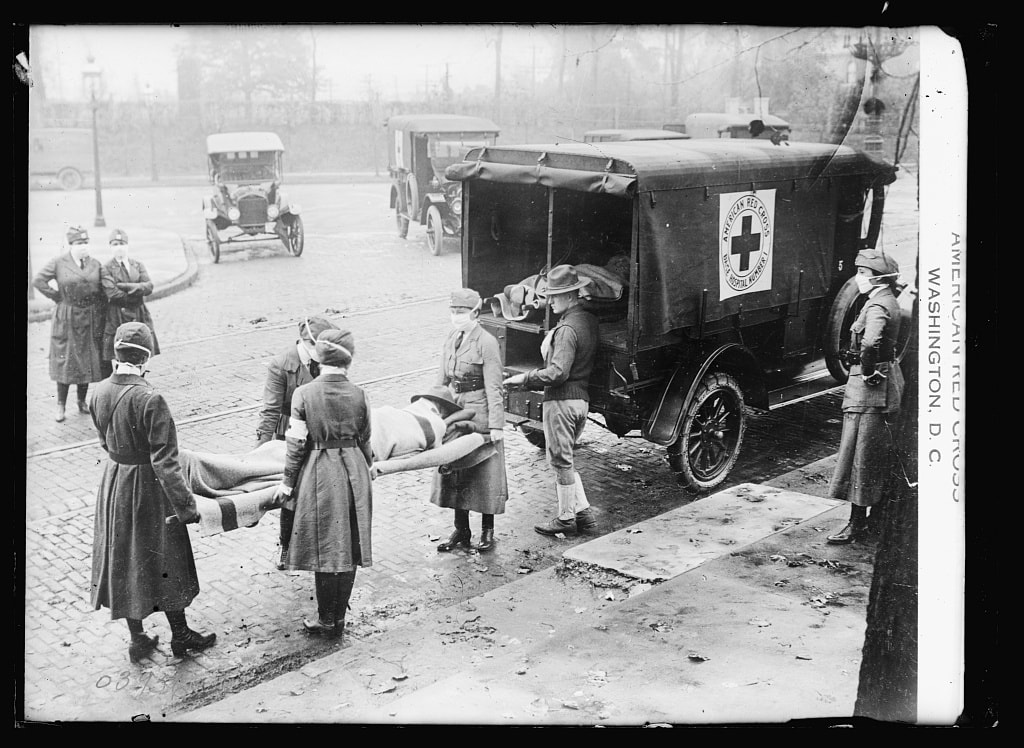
(313,326)
(440,396)
(117,236)
(335,347)
(465,297)
(76,234)
(132,336)
(563,279)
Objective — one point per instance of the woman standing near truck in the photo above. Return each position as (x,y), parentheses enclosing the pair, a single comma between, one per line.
(471,369)
(872,398)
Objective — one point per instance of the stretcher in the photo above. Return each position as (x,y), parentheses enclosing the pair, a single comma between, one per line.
(236,490)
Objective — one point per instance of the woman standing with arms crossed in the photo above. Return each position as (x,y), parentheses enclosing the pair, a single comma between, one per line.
(327,468)
(76,332)
(471,369)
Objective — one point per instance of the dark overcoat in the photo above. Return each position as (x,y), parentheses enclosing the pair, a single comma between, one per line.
(285,373)
(483,487)
(76,329)
(331,485)
(140,564)
(869,411)
(126,290)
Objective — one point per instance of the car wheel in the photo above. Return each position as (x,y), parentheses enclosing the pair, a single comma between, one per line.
(712,433)
(213,241)
(69,178)
(296,237)
(435,231)
(534,435)
(847,305)
(412,198)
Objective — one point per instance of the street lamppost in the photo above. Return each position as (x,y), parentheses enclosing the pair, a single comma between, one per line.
(150,98)
(92,74)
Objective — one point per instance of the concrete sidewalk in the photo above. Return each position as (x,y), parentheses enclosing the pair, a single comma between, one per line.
(732,609)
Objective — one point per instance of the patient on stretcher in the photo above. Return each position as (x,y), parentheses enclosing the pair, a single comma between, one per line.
(428,421)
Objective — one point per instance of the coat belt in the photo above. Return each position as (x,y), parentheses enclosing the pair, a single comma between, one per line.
(335,444)
(137,458)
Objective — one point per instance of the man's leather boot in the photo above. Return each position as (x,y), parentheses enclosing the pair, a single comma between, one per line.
(142,646)
(83,407)
(855,529)
(566,500)
(586,522)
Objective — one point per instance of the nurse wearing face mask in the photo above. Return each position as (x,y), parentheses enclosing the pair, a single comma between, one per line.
(297,364)
(471,369)
(126,285)
(72,280)
(872,398)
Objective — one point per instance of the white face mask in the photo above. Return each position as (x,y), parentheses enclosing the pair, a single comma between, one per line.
(80,251)
(864,284)
(311,350)
(461,320)
(120,252)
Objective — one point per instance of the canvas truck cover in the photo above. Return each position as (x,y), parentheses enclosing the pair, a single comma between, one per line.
(774,207)
(403,127)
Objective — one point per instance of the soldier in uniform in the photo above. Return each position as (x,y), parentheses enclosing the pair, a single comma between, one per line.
(471,369)
(126,285)
(297,364)
(873,394)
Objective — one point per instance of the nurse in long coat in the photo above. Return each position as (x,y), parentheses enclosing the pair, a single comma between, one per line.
(126,284)
(72,280)
(471,368)
(872,398)
(140,563)
(327,470)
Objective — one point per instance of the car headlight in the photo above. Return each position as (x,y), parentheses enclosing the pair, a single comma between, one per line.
(234,213)
(457,205)
(272,211)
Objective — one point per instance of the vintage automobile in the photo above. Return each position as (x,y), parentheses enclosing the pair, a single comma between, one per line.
(723,125)
(420,147)
(247,170)
(637,133)
(721,273)
(61,154)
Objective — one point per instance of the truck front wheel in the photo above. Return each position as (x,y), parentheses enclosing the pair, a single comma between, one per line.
(711,434)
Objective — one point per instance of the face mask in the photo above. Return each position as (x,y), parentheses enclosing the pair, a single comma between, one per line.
(311,350)
(120,252)
(461,320)
(864,284)
(81,251)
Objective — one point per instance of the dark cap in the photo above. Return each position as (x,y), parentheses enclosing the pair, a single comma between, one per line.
(465,297)
(132,334)
(335,347)
(877,261)
(77,234)
(316,325)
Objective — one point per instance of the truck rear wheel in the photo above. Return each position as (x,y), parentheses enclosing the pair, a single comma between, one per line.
(711,434)
(435,231)
(847,305)
(69,178)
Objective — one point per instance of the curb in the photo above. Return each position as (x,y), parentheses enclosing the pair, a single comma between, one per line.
(180,282)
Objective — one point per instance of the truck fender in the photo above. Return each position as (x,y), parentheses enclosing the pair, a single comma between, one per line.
(209,209)
(662,426)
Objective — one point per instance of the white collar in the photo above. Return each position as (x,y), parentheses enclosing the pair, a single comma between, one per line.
(875,290)
(327,369)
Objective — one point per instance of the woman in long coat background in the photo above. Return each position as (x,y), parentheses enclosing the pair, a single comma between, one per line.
(76,330)
(471,368)
(141,564)
(327,468)
(871,401)
(126,284)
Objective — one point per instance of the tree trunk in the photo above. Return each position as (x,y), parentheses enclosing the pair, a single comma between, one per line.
(887,689)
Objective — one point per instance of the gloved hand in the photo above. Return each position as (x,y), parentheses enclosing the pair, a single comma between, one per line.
(874,378)
(188,516)
(497,435)
(515,379)
(282,492)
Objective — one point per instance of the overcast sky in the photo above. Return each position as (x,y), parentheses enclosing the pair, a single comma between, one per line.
(398,58)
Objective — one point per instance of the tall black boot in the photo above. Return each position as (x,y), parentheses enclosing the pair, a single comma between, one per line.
(62,400)
(326,605)
(287,521)
(184,639)
(855,529)
(461,535)
(83,406)
(486,533)
(344,581)
(141,645)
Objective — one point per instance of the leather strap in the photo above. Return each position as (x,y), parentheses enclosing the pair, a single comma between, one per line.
(335,444)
